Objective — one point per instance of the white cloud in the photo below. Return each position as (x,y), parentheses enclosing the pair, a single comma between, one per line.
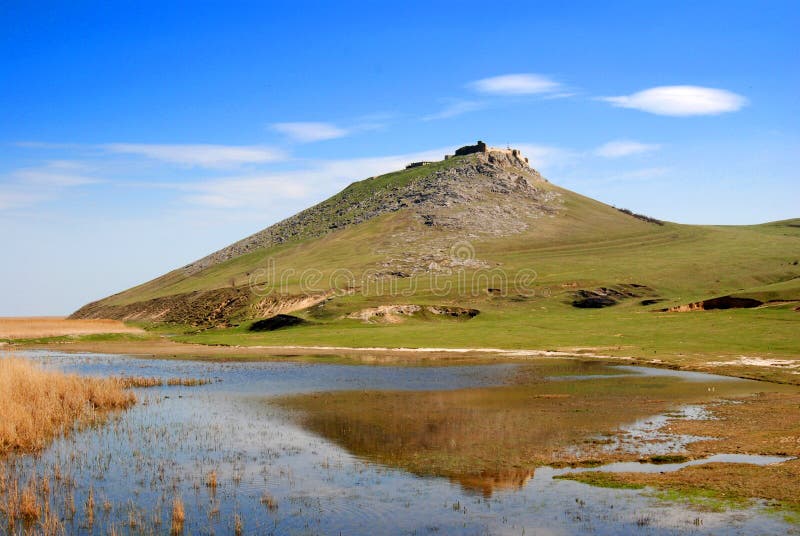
(305,132)
(516,84)
(681,101)
(546,157)
(202,155)
(620,148)
(454,109)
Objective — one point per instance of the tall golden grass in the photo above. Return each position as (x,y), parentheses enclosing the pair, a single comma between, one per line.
(35,327)
(37,405)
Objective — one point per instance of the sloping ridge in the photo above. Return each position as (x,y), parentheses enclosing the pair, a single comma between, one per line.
(492,195)
(455,181)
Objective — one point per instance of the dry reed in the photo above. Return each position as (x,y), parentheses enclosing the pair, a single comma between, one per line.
(178,517)
(38,405)
(238,526)
(211,480)
(36,327)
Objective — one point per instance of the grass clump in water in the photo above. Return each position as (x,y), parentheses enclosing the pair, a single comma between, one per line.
(601,480)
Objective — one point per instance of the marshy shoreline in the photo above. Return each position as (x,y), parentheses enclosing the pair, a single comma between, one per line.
(761,420)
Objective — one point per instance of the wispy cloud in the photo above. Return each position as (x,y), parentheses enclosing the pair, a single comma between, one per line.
(310,131)
(316,180)
(547,157)
(516,84)
(203,155)
(56,173)
(680,101)
(620,148)
(634,175)
(13,198)
(247,191)
(455,109)
(28,186)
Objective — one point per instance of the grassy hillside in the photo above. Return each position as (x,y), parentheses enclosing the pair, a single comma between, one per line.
(679,263)
(580,245)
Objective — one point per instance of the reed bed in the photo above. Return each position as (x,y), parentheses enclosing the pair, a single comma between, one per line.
(38,405)
(146,381)
(37,327)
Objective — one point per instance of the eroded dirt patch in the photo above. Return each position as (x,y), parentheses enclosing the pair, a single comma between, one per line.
(607,296)
(723,302)
(276,322)
(395,313)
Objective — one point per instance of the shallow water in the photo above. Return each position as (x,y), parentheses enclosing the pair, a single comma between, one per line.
(325,466)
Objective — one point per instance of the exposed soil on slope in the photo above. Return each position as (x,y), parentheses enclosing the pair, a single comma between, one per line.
(207,308)
(607,296)
(394,313)
(724,302)
(276,322)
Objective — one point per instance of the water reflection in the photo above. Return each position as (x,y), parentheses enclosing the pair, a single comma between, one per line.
(308,449)
(492,438)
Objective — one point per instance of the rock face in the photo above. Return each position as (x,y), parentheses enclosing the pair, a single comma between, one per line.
(496,192)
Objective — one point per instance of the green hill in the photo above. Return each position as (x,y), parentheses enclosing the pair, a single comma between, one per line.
(395,260)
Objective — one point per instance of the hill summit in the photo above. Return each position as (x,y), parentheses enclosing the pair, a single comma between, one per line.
(479,188)
(477,235)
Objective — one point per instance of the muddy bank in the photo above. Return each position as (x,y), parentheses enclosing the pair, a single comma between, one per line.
(765,424)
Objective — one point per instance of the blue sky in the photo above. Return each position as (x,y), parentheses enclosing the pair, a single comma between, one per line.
(136,137)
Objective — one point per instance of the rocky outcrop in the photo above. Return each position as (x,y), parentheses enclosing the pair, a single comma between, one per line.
(497,191)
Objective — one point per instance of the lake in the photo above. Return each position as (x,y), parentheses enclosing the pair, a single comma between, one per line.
(313,447)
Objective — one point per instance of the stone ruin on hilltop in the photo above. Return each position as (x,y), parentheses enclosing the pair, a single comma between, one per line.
(514,155)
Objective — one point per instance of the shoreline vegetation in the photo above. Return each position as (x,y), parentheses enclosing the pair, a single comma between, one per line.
(39,405)
(45,327)
(761,367)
